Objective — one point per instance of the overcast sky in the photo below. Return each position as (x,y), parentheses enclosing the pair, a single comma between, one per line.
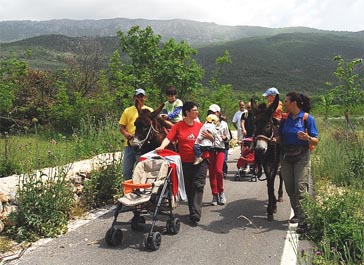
(347,15)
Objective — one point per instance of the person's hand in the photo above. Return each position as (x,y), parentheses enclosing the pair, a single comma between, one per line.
(207,135)
(159,148)
(164,116)
(303,136)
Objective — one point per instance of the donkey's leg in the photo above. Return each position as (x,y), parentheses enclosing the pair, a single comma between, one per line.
(272,200)
(280,188)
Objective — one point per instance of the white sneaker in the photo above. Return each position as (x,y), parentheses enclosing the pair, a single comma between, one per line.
(215,199)
(222,198)
(247,169)
(198,160)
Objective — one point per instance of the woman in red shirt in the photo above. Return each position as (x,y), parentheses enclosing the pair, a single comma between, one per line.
(186,132)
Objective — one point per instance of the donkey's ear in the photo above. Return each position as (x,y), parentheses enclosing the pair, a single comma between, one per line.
(272,107)
(157,111)
(254,106)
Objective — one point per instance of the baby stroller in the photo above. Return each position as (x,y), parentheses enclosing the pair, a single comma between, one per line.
(246,165)
(157,179)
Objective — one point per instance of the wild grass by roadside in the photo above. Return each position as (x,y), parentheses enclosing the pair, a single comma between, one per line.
(24,153)
(335,216)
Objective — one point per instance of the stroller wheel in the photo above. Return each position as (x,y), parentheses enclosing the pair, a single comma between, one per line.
(173,226)
(136,221)
(153,242)
(114,237)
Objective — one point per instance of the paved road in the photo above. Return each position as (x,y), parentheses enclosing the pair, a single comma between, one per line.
(237,233)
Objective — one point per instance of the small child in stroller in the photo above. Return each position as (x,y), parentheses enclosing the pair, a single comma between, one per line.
(246,162)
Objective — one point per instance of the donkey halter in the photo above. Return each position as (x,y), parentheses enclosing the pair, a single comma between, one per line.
(265,138)
(150,131)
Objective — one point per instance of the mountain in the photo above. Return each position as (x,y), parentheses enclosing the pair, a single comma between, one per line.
(292,61)
(288,58)
(196,33)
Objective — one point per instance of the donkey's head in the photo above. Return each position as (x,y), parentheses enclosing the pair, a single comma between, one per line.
(264,125)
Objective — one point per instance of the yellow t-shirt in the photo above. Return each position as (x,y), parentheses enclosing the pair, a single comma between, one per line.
(128,118)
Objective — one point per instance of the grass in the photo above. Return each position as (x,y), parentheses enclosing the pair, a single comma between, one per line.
(335,214)
(24,153)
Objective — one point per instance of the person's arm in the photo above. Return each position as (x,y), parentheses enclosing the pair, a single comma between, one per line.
(226,136)
(304,136)
(163,145)
(125,132)
(175,113)
(235,121)
(243,130)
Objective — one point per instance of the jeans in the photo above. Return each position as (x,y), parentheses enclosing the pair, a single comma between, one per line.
(129,160)
(195,180)
(199,149)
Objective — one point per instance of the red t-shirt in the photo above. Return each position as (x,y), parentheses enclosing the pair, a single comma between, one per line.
(186,136)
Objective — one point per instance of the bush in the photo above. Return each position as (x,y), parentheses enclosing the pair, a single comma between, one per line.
(44,205)
(336,224)
(104,185)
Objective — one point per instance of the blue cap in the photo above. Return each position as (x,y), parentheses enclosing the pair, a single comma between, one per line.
(271,92)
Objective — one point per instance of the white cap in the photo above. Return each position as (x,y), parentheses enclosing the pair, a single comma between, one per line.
(271,92)
(214,108)
(139,91)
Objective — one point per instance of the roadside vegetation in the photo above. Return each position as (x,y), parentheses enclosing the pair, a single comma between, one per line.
(51,119)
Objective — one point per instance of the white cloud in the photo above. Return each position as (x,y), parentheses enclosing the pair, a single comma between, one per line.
(322,14)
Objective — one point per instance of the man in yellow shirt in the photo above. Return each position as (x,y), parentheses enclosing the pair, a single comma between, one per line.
(127,129)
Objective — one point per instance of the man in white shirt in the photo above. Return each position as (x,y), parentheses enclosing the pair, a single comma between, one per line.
(237,118)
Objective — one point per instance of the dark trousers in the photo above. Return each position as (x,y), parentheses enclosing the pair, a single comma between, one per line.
(195,180)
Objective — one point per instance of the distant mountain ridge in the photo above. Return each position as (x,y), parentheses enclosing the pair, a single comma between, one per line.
(196,33)
(288,58)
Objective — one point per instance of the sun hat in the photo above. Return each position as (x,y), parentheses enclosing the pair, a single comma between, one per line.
(212,118)
(139,91)
(214,108)
(271,92)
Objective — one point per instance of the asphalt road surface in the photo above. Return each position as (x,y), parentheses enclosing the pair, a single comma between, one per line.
(236,233)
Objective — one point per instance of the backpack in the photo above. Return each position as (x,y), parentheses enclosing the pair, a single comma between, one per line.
(304,119)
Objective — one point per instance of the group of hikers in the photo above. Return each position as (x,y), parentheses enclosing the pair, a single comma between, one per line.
(203,147)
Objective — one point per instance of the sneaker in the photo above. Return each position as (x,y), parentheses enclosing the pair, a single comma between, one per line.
(198,160)
(194,219)
(293,220)
(247,169)
(215,200)
(222,198)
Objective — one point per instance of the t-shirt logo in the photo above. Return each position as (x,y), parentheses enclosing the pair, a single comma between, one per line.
(191,137)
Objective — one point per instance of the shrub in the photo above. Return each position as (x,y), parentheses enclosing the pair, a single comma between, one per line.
(336,223)
(103,186)
(44,204)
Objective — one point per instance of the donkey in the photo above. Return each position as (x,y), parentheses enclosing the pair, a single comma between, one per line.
(150,131)
(267,150)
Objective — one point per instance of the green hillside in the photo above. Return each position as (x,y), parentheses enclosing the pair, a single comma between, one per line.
(301,61)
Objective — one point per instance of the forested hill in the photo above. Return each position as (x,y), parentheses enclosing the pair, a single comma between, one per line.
(302,61)
(196,33)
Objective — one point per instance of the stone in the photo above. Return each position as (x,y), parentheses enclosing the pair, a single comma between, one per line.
(3,197)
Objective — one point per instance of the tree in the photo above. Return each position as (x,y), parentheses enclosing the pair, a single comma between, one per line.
(12,71)
(154,65)
(349,91)
(222,93)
